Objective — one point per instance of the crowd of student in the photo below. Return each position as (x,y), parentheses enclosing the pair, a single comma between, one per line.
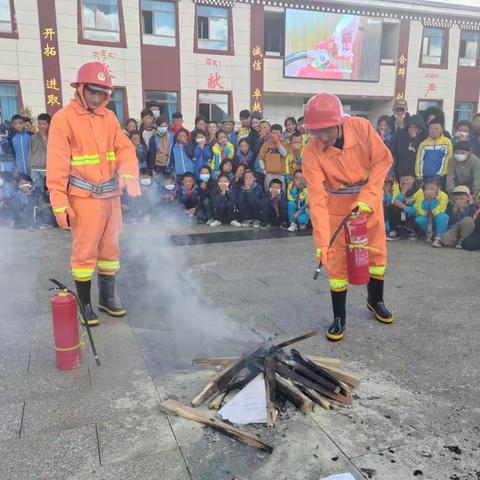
(252,176)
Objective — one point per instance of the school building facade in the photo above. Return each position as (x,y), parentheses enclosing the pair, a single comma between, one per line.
(217,57)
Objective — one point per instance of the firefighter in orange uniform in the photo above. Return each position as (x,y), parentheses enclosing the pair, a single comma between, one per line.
(89,162)
(345,164)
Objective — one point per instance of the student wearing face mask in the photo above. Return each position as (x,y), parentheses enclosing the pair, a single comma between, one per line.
(168,191)
(464,168)
(160,147)
(206,185)
(140,208)
(462,132)
(202,152)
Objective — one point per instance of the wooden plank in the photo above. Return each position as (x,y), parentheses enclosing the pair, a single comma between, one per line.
(346,377)
(214,361)
(295,340)
(225,376)
(306,382)
(322,361)
(216,403)
(294,395)
(174,407)
(269,376)
(317,398)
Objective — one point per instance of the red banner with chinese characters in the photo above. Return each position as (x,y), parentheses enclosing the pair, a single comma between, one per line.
(50,61)
(256,58)
(401,81)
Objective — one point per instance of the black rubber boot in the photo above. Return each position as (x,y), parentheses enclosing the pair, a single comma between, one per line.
(336,330)
(375,301)
(83,294)
(107,302)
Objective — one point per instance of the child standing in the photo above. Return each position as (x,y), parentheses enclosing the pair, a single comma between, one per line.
(20,142)
(432,216)
(245,154)
(223,202)
(202,152)
(297,203)
(273,206)
(182,162)
(434,153)
(160,147)
(248,200)
(140,149)
(273,153)
(246,125)
(460,218)
(293,160)
(148,127)
(222,150)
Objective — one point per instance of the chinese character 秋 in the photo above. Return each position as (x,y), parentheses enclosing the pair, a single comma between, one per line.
(431,88)
(53,100)
(402,59)
(257,51)
(257,94)
(52,84)
(48,33)
(401,72)
(257,65)
(49,51)
(256,107)
(214,81)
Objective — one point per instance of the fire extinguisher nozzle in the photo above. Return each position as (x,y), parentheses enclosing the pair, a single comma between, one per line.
(317,272)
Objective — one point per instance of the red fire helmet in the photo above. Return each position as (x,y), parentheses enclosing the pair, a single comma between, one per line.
(324,110)
(96,74)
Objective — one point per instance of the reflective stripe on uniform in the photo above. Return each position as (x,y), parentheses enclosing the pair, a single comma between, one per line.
(108,264)
(378,271)
(82,273)
(79,160)
(110,156)
(338,284)
(60,209)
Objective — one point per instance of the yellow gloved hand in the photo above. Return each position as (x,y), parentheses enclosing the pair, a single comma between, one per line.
(63,215)
(130,182)
(323,254)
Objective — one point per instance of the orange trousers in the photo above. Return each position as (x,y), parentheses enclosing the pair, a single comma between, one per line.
(339,207)
(96,235)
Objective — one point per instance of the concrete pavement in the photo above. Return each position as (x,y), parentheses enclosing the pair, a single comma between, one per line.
(416,412)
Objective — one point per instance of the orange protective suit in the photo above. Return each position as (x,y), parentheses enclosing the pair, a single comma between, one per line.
(90,146)
(364,159)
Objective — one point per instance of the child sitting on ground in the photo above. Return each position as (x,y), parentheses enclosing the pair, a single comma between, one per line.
(227,168)
(297,202)
(168,191)
(407,198)
(222,150)
(460,218)
(188,197)
(273,207)
(387,200)
(140,149)
(223,202)
(206,186)
(244,153)
(432,217)
(248,200)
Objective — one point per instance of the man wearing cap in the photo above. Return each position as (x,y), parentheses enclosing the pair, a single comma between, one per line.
(460,218)
(345,164)
(400,114)
(228,125)
(89,162)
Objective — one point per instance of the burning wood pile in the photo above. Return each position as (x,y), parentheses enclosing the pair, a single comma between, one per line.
(303,380)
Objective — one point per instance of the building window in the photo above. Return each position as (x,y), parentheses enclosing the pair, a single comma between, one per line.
(214,106)
(469,49)
(390,39)
(213,28)
(9,101)
(101,21)
(118,104)
(274,33)
(464,111)
(434,47)
(159,23)
(424,104)
(167,102)
(8,27)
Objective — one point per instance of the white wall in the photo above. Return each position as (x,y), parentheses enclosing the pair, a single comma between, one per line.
(22,59)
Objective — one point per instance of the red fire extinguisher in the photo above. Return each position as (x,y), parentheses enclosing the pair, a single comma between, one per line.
(356,240)
(65,331)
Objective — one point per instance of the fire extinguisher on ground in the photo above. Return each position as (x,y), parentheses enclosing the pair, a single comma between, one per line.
(65,328)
